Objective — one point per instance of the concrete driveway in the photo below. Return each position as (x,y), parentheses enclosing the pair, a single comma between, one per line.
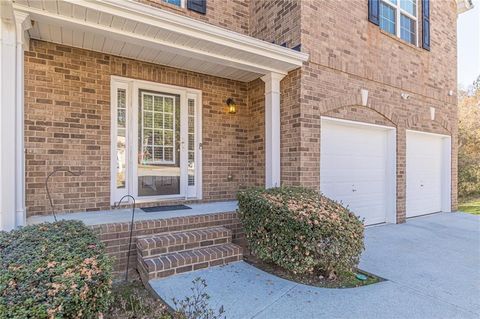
(431,263)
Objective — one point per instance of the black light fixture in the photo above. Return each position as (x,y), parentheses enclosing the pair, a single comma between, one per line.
(232,106)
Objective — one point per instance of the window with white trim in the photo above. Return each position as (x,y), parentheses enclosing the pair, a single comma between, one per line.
(157,136)
(399,17)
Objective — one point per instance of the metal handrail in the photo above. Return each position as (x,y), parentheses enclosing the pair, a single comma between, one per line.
(61,169)
(117,205)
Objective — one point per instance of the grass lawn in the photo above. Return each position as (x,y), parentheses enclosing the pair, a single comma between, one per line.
(471,206)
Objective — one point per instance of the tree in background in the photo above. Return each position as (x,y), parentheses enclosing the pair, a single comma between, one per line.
(469,141)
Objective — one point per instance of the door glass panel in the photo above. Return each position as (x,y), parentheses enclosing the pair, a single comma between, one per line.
(121,137)
(191,142)
(159,144)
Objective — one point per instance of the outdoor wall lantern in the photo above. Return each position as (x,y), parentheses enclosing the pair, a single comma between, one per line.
(364,94)
(232,106)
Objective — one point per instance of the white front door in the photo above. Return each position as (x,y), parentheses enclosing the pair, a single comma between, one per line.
(357,168)
(156,134)
(428,173)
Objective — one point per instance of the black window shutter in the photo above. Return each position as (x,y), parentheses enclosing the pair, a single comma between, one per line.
(199,6)
(426,24)
(374,11)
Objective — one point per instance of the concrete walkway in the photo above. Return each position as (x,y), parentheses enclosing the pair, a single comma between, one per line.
(432,264)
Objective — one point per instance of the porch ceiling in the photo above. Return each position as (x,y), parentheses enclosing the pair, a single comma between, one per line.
(133,30)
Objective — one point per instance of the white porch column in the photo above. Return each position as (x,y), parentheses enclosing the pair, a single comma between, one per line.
(22,23)
(12,26)
(272,129)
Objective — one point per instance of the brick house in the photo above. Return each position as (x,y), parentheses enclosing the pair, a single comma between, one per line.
(181,101)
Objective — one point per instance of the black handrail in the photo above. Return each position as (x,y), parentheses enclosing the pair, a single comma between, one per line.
(117,205)
(61,169)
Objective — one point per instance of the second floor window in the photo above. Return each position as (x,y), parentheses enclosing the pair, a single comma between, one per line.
(399,17)
(174,2)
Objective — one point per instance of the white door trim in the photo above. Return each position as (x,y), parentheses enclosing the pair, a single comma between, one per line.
(116,193)
(446,178)
(133,88)
(391,165)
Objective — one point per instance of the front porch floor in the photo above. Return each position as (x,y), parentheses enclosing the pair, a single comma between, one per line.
(125,214)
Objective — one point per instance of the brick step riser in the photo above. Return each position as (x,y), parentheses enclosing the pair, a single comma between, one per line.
(141,260)
(180,262)
(156,252)
(159,244)
(145,276)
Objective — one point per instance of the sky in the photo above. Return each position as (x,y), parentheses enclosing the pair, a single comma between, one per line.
(468,50)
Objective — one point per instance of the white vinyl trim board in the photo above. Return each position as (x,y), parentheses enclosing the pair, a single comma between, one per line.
(358,168)
(428,173)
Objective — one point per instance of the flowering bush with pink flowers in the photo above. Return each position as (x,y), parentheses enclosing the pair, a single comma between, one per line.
(301,230)
(53,270)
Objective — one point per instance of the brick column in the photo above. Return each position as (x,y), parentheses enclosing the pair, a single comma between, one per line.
(401,172)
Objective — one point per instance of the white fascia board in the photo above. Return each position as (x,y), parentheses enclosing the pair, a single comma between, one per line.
(159,44)
(6,10)
(143,13)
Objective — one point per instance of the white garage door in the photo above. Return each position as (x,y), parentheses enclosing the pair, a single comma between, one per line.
(356,168)
(428,162)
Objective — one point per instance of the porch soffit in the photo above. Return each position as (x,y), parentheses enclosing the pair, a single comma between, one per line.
(137,31)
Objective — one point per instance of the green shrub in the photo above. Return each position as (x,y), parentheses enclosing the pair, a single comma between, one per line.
(301,230)
(53,270)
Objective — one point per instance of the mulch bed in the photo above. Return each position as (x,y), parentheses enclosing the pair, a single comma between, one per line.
(343,280)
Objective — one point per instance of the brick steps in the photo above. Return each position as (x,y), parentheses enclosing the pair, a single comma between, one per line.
(187,240)
(163,255)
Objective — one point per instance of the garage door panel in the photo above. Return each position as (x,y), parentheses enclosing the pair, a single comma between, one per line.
(363,161)
(345,194)
(425,166)
(353,168)
(338,176)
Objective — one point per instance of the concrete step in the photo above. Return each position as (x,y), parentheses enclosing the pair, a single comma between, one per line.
(157,245)
(183,261)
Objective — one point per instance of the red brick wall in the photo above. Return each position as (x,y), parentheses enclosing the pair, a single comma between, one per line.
(228,14)
(276,21)
(67,97)
(256,138)
(67,124)
(347,53)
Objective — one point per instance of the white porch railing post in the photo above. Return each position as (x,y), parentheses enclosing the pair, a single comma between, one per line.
(272,129)
(12,212)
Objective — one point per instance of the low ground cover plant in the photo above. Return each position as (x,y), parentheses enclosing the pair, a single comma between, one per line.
(132,301)
(301,230)
(53,270)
